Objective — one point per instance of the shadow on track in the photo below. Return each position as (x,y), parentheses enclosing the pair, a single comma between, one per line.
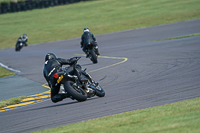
(57,105)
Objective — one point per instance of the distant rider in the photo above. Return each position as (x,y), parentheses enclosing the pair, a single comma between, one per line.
(53,65)
(23,39)
(85,38)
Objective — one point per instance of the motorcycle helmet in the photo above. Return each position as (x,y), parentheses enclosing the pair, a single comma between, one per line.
(24,35)
(50,56)
(86,30)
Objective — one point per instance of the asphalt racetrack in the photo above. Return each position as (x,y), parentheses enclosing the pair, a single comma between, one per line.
(134,71)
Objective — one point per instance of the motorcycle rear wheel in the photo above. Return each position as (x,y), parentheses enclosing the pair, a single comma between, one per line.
(77,93)
(93,56)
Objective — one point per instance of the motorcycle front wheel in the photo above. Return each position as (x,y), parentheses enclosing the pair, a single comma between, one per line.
(77,93)
(99,91)
(17,47)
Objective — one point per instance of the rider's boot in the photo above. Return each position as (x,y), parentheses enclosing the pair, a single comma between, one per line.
(97,50)
(65,96)
(87,53)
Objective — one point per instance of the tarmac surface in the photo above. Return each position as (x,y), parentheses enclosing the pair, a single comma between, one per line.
(135,72)
(15,86)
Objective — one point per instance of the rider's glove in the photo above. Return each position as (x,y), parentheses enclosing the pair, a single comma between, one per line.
(81,44)
(72,61)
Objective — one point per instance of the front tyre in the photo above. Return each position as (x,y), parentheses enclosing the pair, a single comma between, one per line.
(17,47)
(99,91)
(77,93)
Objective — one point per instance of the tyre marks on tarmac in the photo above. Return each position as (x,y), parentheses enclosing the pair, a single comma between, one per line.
(124,59)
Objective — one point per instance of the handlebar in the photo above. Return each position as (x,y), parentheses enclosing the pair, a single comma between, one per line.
(77,57)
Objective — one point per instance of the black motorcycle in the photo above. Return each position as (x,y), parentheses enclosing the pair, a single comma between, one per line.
(19,45)
(92,52)
(77,83)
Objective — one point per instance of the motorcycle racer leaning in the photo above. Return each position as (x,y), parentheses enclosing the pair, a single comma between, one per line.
(86,37)
(53,65)
(23,39)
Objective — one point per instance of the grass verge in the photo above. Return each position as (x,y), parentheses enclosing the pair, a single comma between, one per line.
(11,101)
(177,117)
(68,21)
(101,16)
(4,72)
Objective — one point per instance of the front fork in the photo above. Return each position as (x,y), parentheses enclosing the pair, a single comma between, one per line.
(89,89)
(84,83)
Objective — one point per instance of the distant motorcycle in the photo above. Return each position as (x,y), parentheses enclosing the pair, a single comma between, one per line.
(77,83)
(92,52)
(19,45)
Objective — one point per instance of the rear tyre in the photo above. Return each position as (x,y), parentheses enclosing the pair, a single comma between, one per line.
(93,56)
(77,93)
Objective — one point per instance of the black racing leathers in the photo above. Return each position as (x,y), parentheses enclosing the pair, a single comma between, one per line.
(86,38)
(50,68)
(22,39)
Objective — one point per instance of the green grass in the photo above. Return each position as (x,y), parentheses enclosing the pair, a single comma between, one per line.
(4,72)
(104,16)
(101,16)
(11,101)
(180,117)
(68,21)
